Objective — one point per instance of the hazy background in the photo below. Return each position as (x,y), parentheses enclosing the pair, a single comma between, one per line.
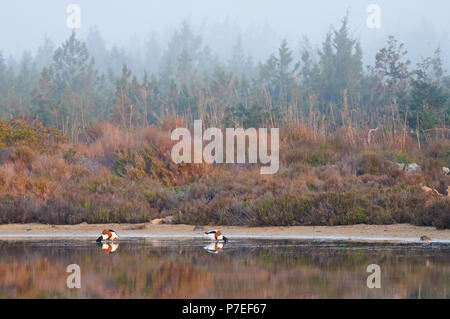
(421,25)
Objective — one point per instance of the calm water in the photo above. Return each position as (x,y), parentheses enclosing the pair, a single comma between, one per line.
(157,268)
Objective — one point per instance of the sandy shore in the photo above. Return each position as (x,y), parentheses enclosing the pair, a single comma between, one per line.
(363,233)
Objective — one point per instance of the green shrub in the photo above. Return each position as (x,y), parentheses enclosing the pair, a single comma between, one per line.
(402,157)
(372,163)
(274,212)
(69,156)
(33,134)
(24,154)
(436,214)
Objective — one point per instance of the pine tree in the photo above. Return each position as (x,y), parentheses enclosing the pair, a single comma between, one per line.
(71,66)
(428,101)
(340,63)
(279,75)
(237,62)
(44,55)
(392,68)
(27,77)
(46,108)
(123,111)
(96,47)
(152,56)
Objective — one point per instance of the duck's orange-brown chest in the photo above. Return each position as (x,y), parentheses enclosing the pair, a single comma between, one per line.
(107,232)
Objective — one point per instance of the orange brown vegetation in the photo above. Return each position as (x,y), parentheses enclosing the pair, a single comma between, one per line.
(118,175)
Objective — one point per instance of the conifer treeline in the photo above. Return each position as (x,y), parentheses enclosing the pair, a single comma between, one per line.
(82,82)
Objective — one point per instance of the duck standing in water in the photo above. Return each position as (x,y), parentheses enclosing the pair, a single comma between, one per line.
(216,236)
(108,234)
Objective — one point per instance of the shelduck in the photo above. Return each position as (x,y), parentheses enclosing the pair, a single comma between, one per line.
(108,234)
(109,248)
(216,235)
(214,248)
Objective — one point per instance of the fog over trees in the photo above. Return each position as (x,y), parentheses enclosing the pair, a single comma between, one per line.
(257,63)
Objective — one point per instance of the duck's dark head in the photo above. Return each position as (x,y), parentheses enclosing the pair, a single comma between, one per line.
(99,240)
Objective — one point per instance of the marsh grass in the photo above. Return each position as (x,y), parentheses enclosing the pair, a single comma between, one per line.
(127,176)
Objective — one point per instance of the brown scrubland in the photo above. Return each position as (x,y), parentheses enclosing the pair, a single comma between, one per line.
(116,175)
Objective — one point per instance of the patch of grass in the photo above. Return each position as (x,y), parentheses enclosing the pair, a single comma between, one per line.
(372,163)
(436,214)
(69,156)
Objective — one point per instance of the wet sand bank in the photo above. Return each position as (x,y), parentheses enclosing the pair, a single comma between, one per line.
(362,233)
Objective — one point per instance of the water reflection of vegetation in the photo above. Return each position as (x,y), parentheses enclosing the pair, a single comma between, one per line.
(182,269)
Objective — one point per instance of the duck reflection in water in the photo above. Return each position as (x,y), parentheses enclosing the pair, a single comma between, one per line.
(109,248)
(214,248)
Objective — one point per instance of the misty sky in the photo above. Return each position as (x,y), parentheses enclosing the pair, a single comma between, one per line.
(421,25)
